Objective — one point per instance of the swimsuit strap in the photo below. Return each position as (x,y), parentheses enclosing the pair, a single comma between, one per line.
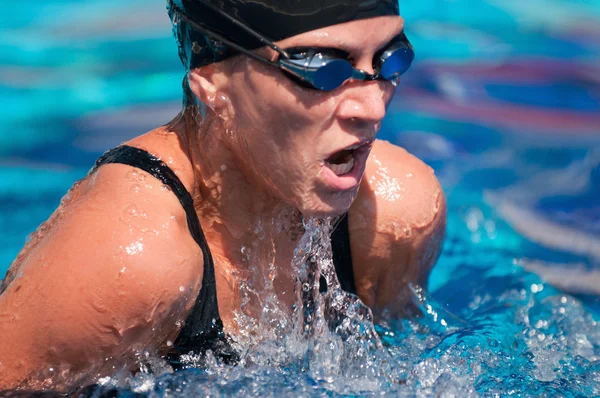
(203,328)
(342,256)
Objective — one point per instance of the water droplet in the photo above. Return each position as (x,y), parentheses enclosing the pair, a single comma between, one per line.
(132,175)
(536,288)
(196,48)
(541,336)
(165,188)
(135,175)
(135,188)
(132,211)
(407,232)
(67,198)
(135,248)
(181,289)
(539,324)
(169,343)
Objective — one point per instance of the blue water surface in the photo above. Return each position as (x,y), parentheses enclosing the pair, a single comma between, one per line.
(503,102)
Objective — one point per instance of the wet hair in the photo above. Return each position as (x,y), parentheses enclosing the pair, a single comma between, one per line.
(274,19)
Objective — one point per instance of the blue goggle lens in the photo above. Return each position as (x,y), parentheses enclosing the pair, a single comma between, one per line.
(332,74)
(396,62)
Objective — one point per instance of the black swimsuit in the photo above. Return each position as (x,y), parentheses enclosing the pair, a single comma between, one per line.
(203,328)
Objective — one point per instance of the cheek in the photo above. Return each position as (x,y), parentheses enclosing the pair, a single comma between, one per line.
(264,98)
(286,160)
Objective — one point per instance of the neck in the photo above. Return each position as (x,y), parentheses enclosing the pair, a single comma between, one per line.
(234,210)
(252,234)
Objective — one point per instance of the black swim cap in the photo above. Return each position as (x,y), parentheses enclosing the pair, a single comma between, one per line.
(274,19)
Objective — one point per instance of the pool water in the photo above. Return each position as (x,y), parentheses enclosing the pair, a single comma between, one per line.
(503,101)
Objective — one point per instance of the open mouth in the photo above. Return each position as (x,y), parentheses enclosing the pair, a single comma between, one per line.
(342,161)
(344,169)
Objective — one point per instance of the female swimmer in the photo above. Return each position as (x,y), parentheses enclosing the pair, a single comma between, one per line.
(283,102)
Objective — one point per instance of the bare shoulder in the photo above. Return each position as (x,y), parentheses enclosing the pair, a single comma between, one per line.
(113,270)
(397,225)
(400,191)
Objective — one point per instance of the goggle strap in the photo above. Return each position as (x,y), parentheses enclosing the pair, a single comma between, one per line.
(239,24)
(216,36)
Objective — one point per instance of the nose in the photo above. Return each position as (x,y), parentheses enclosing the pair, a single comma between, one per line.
(364,102)
(365,64)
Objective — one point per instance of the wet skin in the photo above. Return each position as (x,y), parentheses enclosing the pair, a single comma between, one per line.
(115,269)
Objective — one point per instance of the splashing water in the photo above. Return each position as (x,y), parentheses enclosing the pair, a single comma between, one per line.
(329,334)
(342,341)
(328,338)
(529,339)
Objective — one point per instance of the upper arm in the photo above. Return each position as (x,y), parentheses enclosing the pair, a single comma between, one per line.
(111,274)
(397,226)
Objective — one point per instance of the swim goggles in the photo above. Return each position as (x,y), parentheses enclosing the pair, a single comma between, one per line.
(317,68)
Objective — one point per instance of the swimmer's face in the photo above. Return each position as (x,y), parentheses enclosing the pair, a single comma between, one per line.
(305,146)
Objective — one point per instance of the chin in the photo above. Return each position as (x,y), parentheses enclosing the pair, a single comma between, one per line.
(327,205)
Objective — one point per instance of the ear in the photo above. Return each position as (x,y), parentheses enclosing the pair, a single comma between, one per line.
(202,84)
(209,86)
